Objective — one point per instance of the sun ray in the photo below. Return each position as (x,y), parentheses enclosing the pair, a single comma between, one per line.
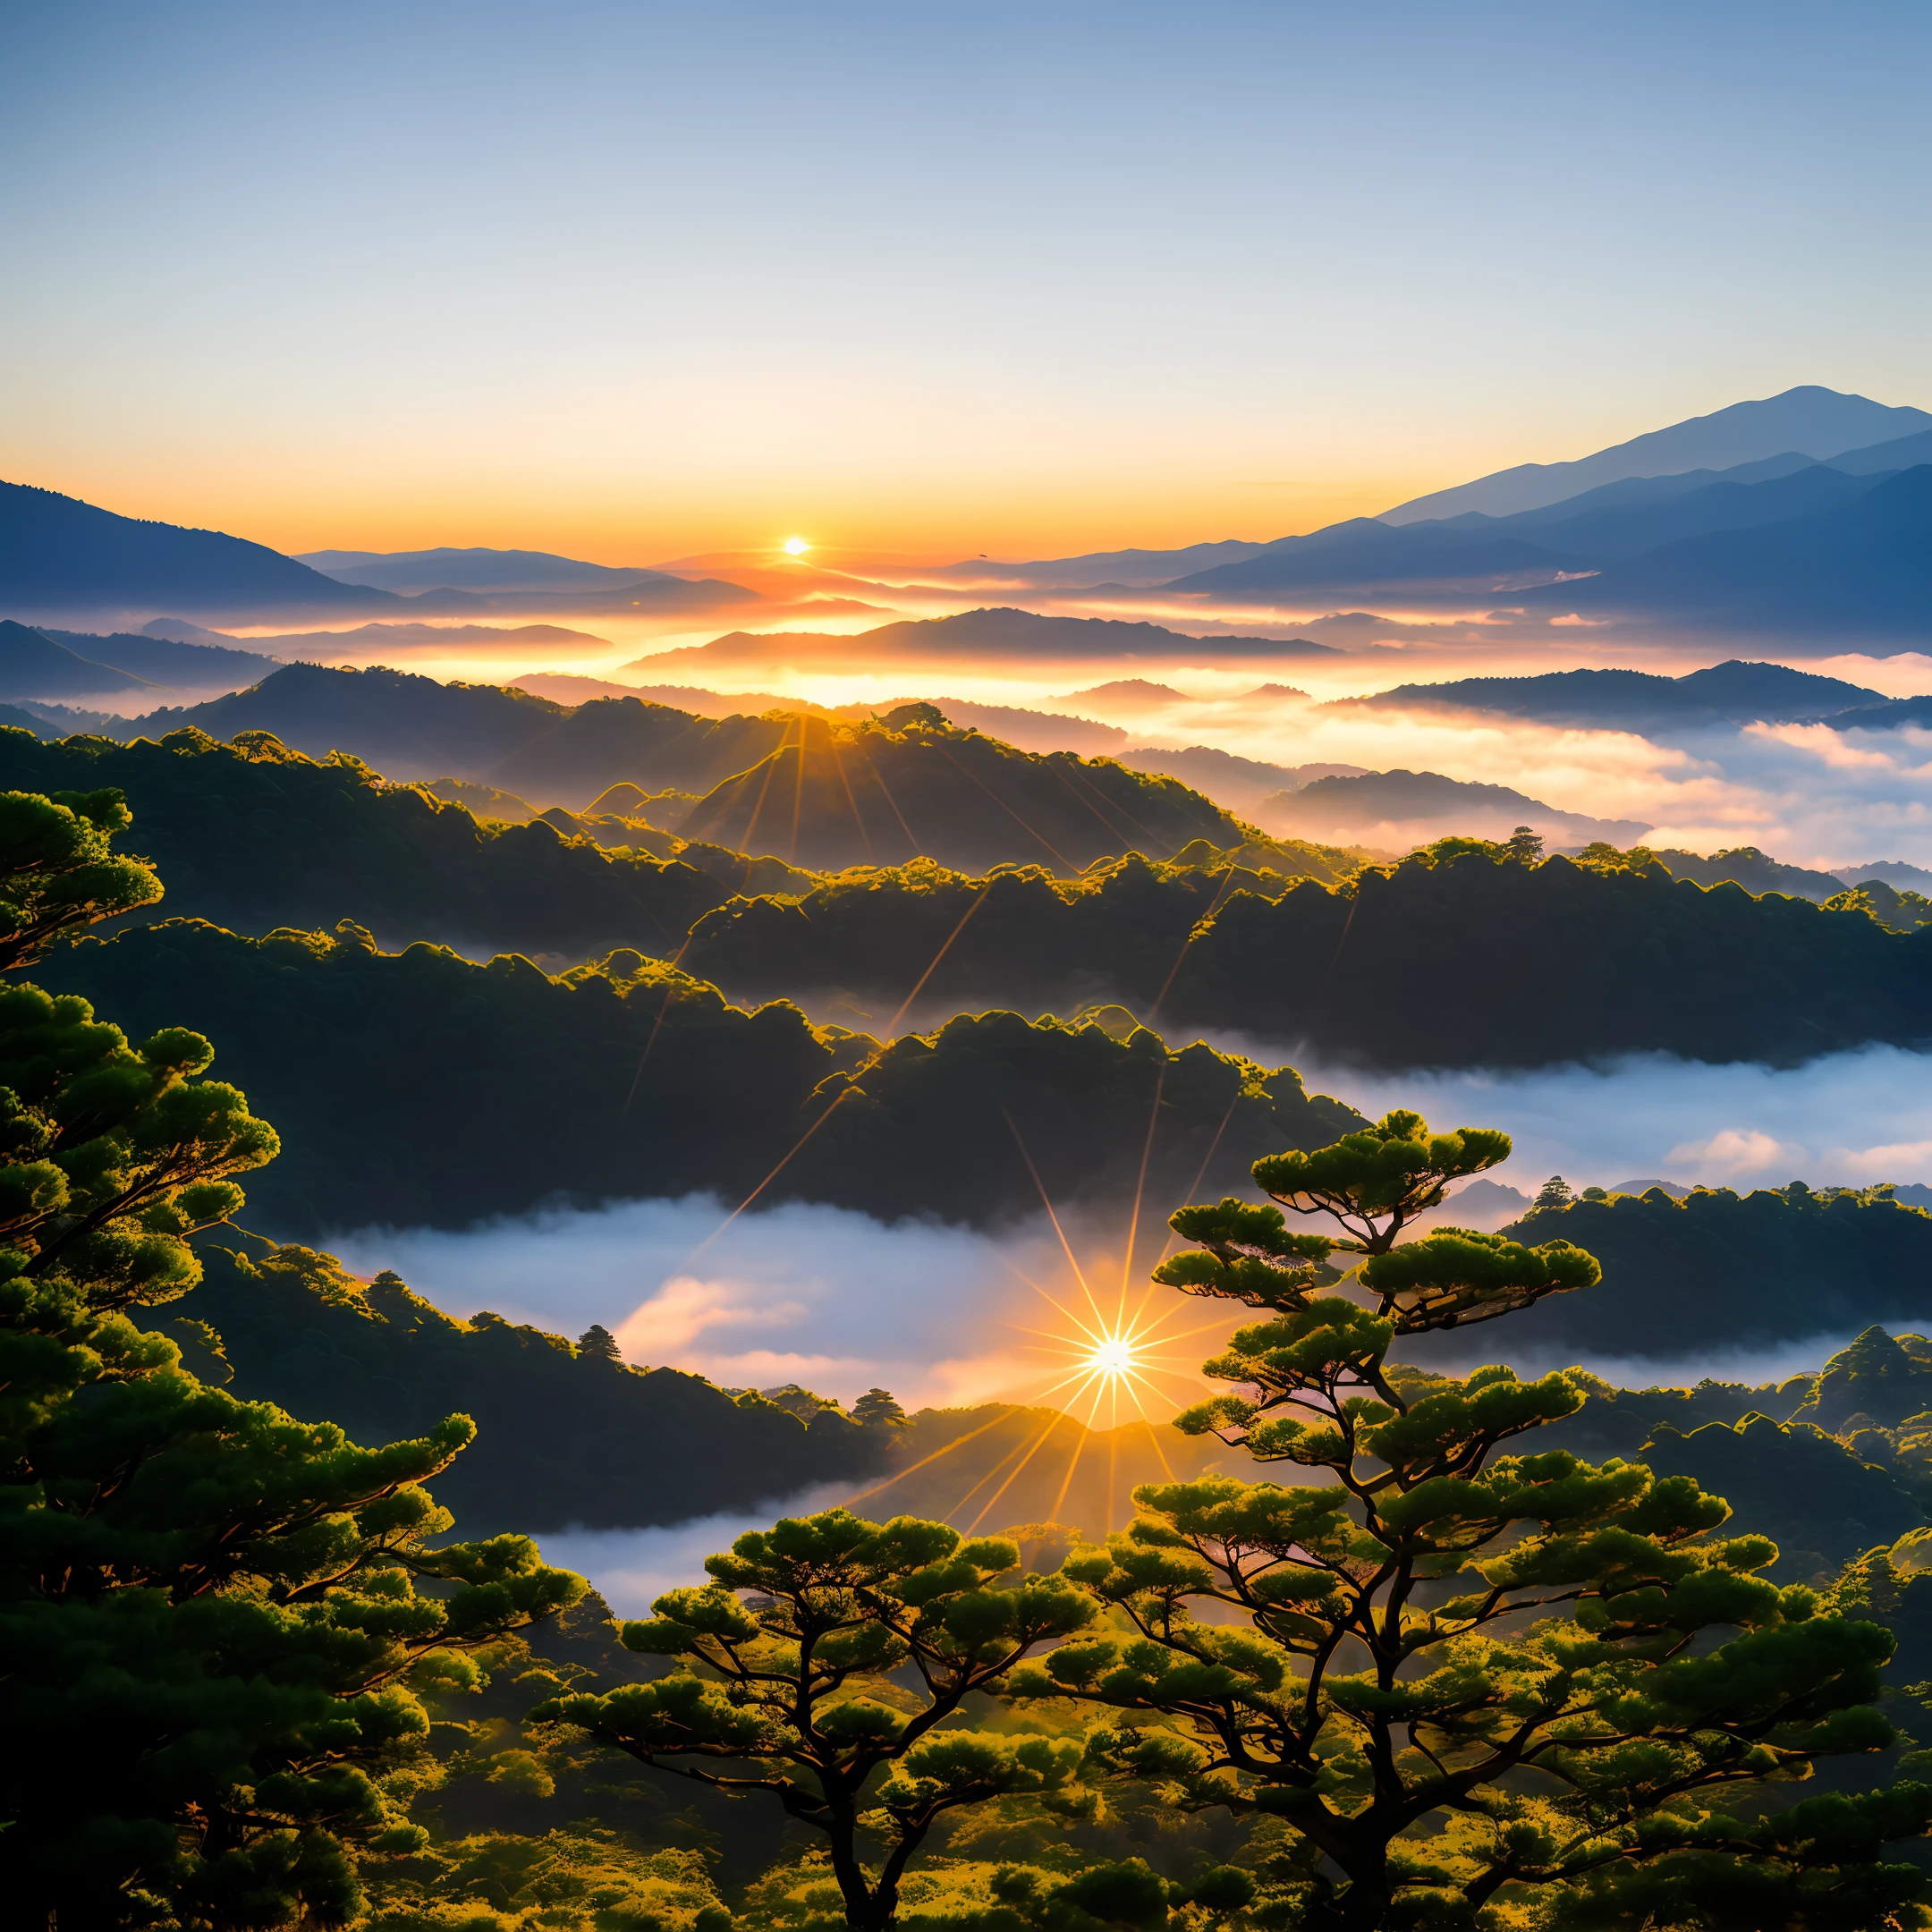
(958,1442)
(945,943)
(1133,1219)
(1066,1246)
(1046,1435)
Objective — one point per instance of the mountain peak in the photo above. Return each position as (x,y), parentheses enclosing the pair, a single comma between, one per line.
(1810,420)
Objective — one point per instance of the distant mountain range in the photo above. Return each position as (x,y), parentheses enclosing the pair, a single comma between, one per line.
(1817,422)
(58,555)
(1806,514)
(414,571)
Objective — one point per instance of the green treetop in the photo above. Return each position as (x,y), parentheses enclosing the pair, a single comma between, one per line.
(796,1663)
(212,1637)
(1487,1687)
(56,870)
(878,1409)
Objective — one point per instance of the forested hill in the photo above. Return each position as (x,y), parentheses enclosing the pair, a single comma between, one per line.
(1460,955)
(1719,1272)
(1734,692)
(813,789)
(410,727)
(833,795)
(417,1088)
(254,835)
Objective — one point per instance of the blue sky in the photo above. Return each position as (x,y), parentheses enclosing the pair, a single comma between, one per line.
(636,280)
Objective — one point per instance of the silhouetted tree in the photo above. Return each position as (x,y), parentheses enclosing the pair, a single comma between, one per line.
(877,1408)
(784,1688)
(1554,1192)
(597,1344)
(1468,1678)
(1525,845)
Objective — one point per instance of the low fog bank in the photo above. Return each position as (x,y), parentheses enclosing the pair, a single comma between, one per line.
(824,1296)
(949,1317)
(1848,1119)
(634,1567)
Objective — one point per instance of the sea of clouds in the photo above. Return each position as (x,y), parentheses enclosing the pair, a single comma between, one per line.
(841,1301)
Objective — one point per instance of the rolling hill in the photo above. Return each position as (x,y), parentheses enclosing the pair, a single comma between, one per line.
(971,634)
(35,664)
(1734,692)
(912,785)
(408,570)
(1400,809)
(410,727)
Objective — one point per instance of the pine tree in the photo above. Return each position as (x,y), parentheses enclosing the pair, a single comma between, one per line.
(1487,1686)
(212,1634)
(1525,844)
(597,1344)
(57,871)
(877,1408)
(785,1684)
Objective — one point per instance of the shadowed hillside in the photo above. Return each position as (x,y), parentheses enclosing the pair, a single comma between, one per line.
(880,794)
(411,726)
(478,1090)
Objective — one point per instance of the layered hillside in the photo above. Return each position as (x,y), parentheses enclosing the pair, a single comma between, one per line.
(255,835)
(410,727)
(832,795)
(417,1088)
(1454,957)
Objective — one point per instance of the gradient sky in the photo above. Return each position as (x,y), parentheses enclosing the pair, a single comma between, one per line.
(634,281)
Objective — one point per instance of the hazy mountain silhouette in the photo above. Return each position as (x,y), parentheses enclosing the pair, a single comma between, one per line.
(1816,421)
(1730,693)
(1608,532)
(1419,805)
(1240,784)
(1864,569)
(186,664)
(406,570)
(516,640)
(1130,567)
(33,664)
(57,553)
(1365,554)
(970,634)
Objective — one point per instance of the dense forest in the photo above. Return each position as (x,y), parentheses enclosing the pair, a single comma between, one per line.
(486,1089)
(266,1680)
(1529,962)
(1553,960)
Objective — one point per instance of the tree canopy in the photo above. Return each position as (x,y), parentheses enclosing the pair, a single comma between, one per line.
(209,1611)
(1467,1672)
(819,1667)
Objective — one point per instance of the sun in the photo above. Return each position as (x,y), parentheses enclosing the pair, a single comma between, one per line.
(1114,1355)
(796,546)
